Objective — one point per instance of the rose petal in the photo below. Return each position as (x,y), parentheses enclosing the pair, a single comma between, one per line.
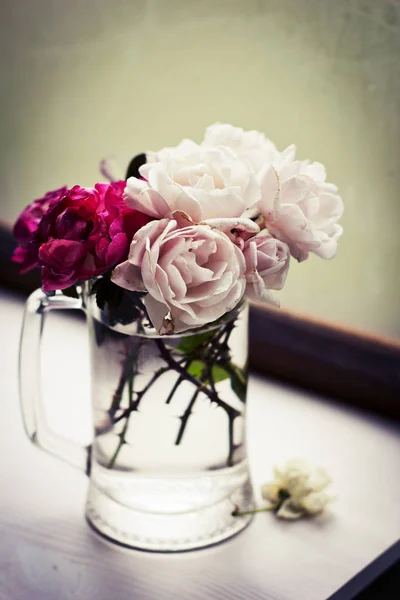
(270,492)
(128,276)
(315,502)
(157,311)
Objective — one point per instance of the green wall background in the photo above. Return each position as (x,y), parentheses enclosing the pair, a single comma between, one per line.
(84,79)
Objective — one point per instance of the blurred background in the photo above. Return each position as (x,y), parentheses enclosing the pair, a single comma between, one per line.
(87,79)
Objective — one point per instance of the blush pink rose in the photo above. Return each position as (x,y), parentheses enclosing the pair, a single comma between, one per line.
(85,233)
(193,275)
(300,207)
(26,226)
(267,264)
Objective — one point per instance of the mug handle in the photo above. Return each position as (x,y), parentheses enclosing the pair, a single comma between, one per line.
(36,308)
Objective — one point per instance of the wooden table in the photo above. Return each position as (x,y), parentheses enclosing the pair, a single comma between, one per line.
(47,551)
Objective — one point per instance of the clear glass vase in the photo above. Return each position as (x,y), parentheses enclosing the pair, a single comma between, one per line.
(168,464)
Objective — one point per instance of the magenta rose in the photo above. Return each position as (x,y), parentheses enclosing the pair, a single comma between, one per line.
(85,233)
(26,226)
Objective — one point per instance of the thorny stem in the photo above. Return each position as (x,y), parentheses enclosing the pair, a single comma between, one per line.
(201,387)
(122,435)
(180,366)
(173,364)
(230,437)
(134,405)
(240,513)
(185,417)
(117,397)
(125,376)
(228,330)
(177,384)
(211,378)
(174,388)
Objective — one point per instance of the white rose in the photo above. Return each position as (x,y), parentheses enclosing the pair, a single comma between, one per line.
(299,207)
(252,145)
(204,183)
(297,490)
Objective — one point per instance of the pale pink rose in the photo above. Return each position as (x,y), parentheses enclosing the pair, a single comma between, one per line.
(193,275)
(267,264)
(300,207)
(252,145)
(238,230)
(204,183)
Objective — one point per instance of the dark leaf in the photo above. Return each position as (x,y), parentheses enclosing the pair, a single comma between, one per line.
(119,305)
(126,311)
(71,292)
(136,162)
(107,292)
(238,380)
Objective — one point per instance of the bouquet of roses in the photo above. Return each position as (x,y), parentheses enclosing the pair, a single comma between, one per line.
(194,230)
(175,247)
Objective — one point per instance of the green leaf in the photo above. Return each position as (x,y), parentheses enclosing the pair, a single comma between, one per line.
(191,343)
(219,373)
(198,369)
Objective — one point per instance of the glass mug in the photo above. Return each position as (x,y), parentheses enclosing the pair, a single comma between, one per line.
(167,465)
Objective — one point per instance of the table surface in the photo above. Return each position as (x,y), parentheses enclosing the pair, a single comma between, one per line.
(47,551)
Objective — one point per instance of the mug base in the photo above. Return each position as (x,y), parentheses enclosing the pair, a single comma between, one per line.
(174,531)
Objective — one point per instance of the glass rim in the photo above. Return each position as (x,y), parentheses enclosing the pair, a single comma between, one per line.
(148,331)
